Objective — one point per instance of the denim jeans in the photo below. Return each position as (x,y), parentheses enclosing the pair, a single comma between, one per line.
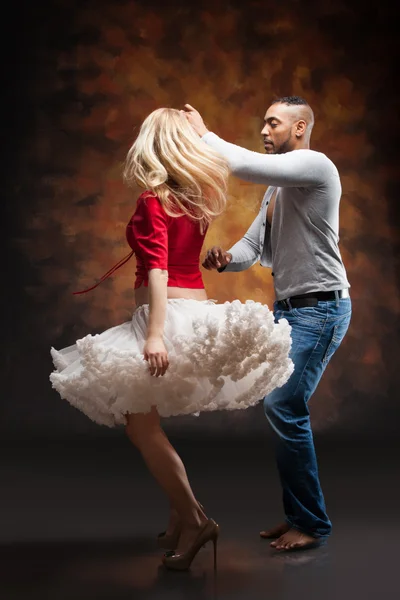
(317,332)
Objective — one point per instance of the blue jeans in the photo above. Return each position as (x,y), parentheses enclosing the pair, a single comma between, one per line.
(317,332)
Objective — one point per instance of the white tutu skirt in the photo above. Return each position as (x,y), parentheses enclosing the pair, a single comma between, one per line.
(221,357)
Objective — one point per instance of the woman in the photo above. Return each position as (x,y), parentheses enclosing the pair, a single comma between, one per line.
(181,353)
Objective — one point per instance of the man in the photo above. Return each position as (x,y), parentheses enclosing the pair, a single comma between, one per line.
(295,233)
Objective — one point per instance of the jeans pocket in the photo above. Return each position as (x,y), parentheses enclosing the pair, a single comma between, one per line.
(338,333)
(310,314)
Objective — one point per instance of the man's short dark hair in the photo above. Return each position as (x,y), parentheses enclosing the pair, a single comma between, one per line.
(291,100)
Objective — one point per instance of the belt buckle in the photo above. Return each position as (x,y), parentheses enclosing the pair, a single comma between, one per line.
(285,304)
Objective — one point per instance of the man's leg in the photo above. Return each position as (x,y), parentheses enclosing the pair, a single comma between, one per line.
(316,334)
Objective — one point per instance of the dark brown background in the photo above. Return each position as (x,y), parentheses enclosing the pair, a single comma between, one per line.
(78,80)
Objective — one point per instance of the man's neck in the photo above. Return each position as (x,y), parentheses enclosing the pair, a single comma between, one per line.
(302,146)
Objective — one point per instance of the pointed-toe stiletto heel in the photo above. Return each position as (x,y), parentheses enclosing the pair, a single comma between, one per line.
(170,541)
(215,541)
(181,562)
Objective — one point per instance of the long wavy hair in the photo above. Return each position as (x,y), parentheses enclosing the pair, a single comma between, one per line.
(168,158)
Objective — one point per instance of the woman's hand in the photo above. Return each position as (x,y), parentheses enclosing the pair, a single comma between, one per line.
(195,119)
(156,354)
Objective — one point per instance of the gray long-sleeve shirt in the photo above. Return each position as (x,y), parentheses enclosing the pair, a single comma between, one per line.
(301,245)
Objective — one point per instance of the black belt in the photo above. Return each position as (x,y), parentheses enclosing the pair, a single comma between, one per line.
(311,299)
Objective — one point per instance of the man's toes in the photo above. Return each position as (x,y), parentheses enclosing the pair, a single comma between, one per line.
(286,545)
(278,542)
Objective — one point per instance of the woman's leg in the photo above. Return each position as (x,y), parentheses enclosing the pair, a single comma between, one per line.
(145,432)
(173,518)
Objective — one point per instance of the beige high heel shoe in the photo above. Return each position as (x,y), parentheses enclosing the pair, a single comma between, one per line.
(182,562)
(170,541)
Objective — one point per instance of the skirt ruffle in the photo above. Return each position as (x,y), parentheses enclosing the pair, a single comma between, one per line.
(221,357)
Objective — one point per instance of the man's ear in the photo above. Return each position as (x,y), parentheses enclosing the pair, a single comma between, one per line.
(301,127)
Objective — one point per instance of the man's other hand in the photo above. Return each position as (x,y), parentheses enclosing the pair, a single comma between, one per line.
(216,258)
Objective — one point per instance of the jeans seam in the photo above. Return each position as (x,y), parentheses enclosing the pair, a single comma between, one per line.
(334,340)
(309,358)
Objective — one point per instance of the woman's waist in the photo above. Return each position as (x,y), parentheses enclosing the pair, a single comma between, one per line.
(173,293)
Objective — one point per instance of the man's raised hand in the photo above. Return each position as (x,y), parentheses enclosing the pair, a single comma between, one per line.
(195,119)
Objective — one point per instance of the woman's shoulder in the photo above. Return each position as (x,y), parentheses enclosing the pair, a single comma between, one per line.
(149,209)
(150,199)
(149,203)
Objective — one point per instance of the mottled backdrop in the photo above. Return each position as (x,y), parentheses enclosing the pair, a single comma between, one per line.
(82,78)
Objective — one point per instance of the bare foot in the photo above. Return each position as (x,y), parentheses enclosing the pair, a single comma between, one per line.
(275,532)
(294,540)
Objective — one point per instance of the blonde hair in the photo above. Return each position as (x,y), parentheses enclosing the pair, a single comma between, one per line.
(168,158)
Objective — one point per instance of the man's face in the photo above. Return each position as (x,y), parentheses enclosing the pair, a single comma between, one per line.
(279,129)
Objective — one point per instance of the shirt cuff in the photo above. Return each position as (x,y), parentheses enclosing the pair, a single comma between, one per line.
(209,136)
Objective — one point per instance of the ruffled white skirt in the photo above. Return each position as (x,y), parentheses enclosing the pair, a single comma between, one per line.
(221,357)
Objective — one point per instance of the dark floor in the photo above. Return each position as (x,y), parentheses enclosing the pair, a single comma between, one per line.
(78,521)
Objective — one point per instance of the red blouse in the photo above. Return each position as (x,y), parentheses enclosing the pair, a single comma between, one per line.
(163,242)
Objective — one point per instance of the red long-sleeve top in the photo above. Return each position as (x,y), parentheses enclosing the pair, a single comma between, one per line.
(160,241)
